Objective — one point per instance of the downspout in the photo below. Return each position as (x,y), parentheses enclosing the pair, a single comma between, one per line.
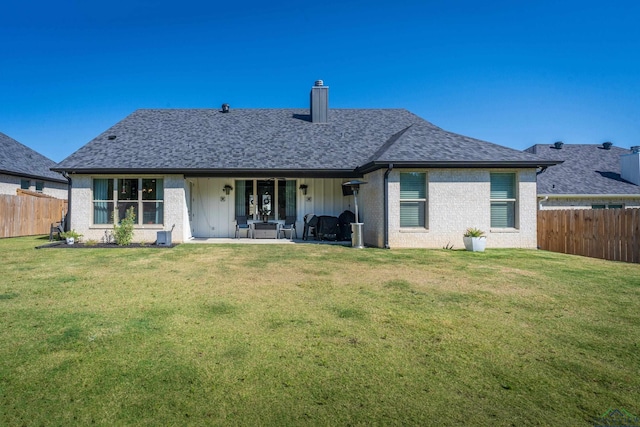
(541,201)
(67,222)
(386,206)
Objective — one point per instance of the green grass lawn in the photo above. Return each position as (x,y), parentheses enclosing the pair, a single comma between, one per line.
(314,335)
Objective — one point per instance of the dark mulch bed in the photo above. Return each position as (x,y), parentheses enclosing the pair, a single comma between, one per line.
(63,245)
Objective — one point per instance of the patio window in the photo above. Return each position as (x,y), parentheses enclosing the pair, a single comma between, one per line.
(274,199)
(112,197)
(413,200)
(503,200)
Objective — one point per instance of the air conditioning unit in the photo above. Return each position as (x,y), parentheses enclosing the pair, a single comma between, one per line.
(164,238)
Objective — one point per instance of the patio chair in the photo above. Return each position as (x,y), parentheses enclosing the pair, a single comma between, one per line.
(56,228)
(290,226)
(310,224)
(241,224)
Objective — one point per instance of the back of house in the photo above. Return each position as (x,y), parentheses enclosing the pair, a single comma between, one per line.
(201,170)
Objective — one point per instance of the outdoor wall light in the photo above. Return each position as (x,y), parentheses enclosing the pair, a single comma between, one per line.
(304,187)
(227,189)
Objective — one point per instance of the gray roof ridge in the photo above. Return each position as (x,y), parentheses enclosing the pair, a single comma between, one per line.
(388,144)
(471,139)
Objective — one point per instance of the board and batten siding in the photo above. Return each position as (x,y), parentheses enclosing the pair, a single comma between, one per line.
(212,212)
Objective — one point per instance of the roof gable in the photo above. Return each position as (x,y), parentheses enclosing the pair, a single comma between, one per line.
(423,140)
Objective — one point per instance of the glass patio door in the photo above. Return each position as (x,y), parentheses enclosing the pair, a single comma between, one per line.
(266,202)
(274,199)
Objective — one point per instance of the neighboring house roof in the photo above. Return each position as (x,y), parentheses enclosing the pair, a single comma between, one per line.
(281,142)
(588,169)
(19,160)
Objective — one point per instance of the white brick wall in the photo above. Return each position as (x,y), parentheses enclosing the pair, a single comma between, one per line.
(9,184)
(457,199)
(174,210)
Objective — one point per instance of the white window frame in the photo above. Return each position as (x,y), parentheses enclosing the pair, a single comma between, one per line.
(139,200)
(275,198)
(502,200)
(424,200)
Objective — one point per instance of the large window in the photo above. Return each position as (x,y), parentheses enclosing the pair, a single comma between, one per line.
(39,186)
(413,199)
(272,199)
(25,184)
(112,197)
(503,200)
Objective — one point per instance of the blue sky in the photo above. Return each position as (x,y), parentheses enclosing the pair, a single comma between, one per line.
(513,73)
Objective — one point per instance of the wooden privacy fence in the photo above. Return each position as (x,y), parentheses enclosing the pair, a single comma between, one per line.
(28,216)
(612,234)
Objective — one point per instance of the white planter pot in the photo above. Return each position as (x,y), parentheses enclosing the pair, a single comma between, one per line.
(70,240)
(475,244)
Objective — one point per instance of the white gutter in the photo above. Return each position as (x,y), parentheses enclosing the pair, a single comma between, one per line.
(588,196)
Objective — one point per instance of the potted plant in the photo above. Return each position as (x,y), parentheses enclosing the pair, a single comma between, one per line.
(71,236)
(474,240)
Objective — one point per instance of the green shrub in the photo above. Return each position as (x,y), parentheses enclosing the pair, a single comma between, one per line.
(474,232)
(71,234)
(124,231)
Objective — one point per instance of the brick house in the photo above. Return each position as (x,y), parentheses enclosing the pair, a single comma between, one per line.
(202,169)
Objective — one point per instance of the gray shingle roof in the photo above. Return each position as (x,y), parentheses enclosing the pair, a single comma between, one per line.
(587,169)
(206,140)
(20,160)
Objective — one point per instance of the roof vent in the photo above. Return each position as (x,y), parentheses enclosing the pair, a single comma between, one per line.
(319,83)
(635,149)
(111,137)
(607,145)
(225,108)
(558,145)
